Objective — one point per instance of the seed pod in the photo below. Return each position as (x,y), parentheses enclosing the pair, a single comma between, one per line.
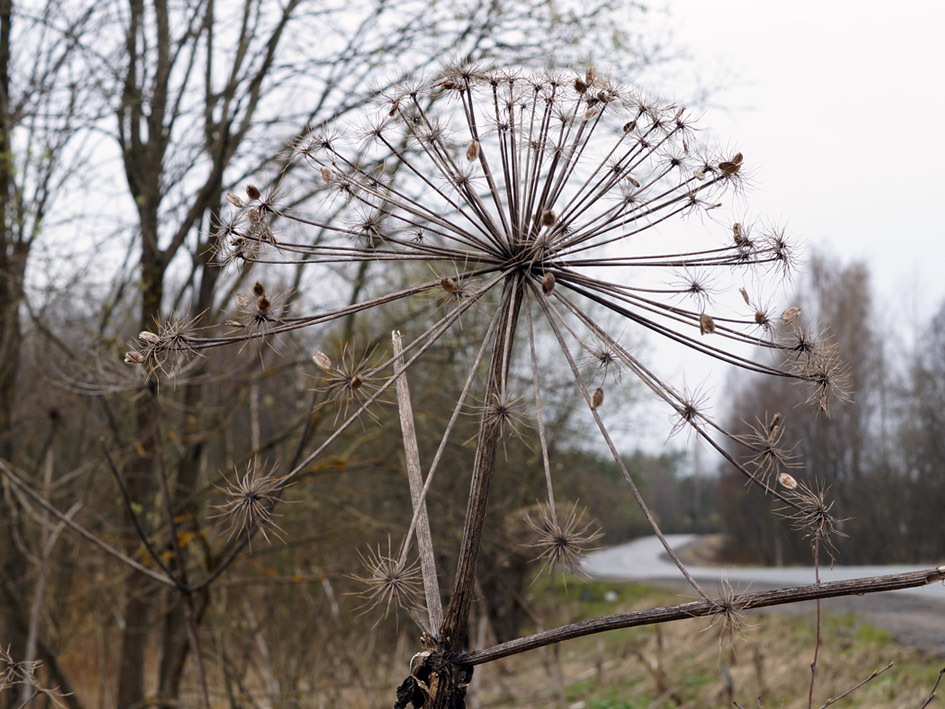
(597,399)
(252,191)
(775,422)
(355,382)
(321,360)
(590,113)
(790,315)
(706,324)
(259,289)
(738,233)
(472,151)
(548,283)
(326,173)
(148,337)
(134,357)
(548,218)
(263,304)
(629,126)
(787,481)
(395,105)
(234,200)
(730,167)
(633,181)
(579,85)
(744,295)
(242,300)
(448,284)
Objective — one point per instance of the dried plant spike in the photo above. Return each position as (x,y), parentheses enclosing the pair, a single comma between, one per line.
(548,283)
(259,289)
(563,539)
(321,360)
(706,324)
(787,480)
(472,151)
(597,399)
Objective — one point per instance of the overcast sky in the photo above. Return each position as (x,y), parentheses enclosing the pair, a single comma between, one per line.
(839,109)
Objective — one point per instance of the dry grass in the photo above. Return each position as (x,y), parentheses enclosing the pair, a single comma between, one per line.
(688,664)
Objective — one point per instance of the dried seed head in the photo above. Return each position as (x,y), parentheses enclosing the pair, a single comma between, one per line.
(472,151)
(706,324)
(259,289)
(597,399)
(790,315)
(731,167)
(563,539)
(390,581)
(234,200)
(548,283)
(134,357)
(321,360)
(148,337)
(787,481)
(263,303)
(548,218)
(326,174)
(252,191)
(249,499)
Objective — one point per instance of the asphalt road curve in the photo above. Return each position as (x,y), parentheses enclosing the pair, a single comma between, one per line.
(915,616)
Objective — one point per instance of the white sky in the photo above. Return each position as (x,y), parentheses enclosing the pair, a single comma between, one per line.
(839,109)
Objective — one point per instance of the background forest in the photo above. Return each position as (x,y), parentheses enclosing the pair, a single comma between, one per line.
(127,130)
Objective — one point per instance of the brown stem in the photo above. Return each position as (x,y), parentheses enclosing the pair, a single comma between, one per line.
(453,631)
(761,599)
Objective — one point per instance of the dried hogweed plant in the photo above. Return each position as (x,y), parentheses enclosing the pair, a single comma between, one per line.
(534,200)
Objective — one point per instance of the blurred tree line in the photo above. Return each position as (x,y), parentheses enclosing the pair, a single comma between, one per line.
(882,455)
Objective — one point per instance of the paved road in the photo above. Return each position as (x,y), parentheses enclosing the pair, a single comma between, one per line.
(915,616)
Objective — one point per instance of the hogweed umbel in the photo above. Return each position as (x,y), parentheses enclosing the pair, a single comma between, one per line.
(532,198)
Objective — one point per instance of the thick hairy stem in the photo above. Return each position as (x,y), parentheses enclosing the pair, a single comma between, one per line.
(453,631)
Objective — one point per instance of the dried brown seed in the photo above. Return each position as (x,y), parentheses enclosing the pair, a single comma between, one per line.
(134,357)
(579,85)
(738,233)
(234,200)
(706,324)
(472,151)
(259,289)
(548,283)
(548,217)
(355,383)
(326,173)
(775,422)
(787,481)
(597,399)
(321,360)
(263,304)
(590,113)
(790,315)
(448,284)
(761,317)
(629,126)
(252,191)
(148,337)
